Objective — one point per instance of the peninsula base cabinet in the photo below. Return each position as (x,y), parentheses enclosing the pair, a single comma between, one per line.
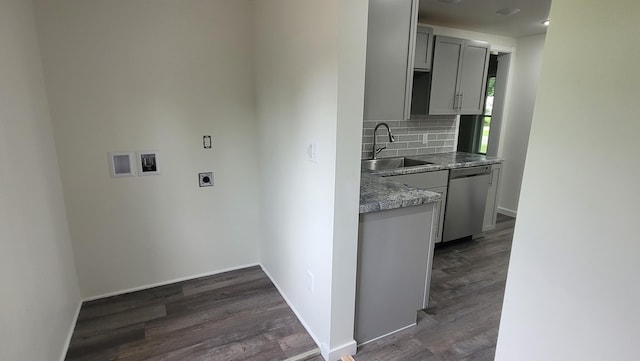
(395,255)
(433,181)
(491,210)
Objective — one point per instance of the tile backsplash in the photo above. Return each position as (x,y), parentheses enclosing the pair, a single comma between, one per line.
(440,130)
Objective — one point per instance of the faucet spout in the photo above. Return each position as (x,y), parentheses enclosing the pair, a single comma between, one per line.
(375,131)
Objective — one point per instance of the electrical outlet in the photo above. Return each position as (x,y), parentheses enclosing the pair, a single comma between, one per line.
(205,179)
(310,281)
(425,137)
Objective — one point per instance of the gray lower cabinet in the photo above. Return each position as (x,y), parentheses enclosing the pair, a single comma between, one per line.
(395,255)
(440,207)
(389,65)
(434,181)
(458,76)
(491,210)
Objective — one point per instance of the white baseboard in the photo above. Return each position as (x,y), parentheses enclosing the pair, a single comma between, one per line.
(67,342)
(507,212)
(164,283)
(334,354)
(292,307)
(337,353)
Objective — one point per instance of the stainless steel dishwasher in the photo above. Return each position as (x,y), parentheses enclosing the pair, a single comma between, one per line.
(466,200)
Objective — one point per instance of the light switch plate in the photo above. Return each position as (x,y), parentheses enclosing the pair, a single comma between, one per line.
(206,142)
(205,179)
(312,152)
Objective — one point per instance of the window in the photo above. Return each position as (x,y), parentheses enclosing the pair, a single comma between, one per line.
(488,110)
(473,135)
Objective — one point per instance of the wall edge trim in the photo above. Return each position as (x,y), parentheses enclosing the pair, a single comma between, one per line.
(67,341)
(336,353)
(507,212)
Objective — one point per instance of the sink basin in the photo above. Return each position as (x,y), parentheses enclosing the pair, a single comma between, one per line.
(391,163)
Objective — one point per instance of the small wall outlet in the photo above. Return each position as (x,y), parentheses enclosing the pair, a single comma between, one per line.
(310,281)
(425,138)
(205,179)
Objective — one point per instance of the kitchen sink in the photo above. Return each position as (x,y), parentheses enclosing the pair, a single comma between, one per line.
(391,163)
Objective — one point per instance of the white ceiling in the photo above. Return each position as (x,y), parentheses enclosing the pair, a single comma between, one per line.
(480,15)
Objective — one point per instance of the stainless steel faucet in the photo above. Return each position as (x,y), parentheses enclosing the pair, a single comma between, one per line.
(391,140)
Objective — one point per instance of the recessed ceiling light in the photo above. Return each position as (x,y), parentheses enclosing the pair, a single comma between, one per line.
(508,11)
(546,22)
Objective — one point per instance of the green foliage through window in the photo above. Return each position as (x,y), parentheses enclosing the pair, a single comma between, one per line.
(488,109)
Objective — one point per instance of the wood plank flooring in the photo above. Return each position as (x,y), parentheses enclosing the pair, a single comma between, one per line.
(237,315)
(241,316)
(461,323)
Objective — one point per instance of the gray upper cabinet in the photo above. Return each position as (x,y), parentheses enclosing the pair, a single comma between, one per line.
(459,76)
(389,65)
(424,49)
(473,83)
(445,77)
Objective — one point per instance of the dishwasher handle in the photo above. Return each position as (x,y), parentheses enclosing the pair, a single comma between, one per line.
(469,172)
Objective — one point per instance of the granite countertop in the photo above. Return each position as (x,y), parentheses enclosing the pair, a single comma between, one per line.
(378,193)
(441,161)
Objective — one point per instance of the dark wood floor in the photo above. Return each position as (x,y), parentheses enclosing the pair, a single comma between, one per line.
(467,288)
(237,315)
(241,316)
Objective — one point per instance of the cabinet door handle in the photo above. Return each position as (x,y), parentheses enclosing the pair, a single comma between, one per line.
(460,102)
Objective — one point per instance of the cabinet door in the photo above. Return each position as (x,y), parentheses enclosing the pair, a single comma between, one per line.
(473,77)
(491,210)
(426,180)
(437,238)
(390,35)
(436,182)
(424,49)
(447,56)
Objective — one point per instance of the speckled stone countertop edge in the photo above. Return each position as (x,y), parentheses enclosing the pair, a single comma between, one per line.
(379,194)
(441,161)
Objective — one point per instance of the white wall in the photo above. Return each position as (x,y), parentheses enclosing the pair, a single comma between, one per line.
(302,76)
(296,85)
(352,38)
(527,62)
(154,75)
(504,44)
(572,291)
(40,294)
